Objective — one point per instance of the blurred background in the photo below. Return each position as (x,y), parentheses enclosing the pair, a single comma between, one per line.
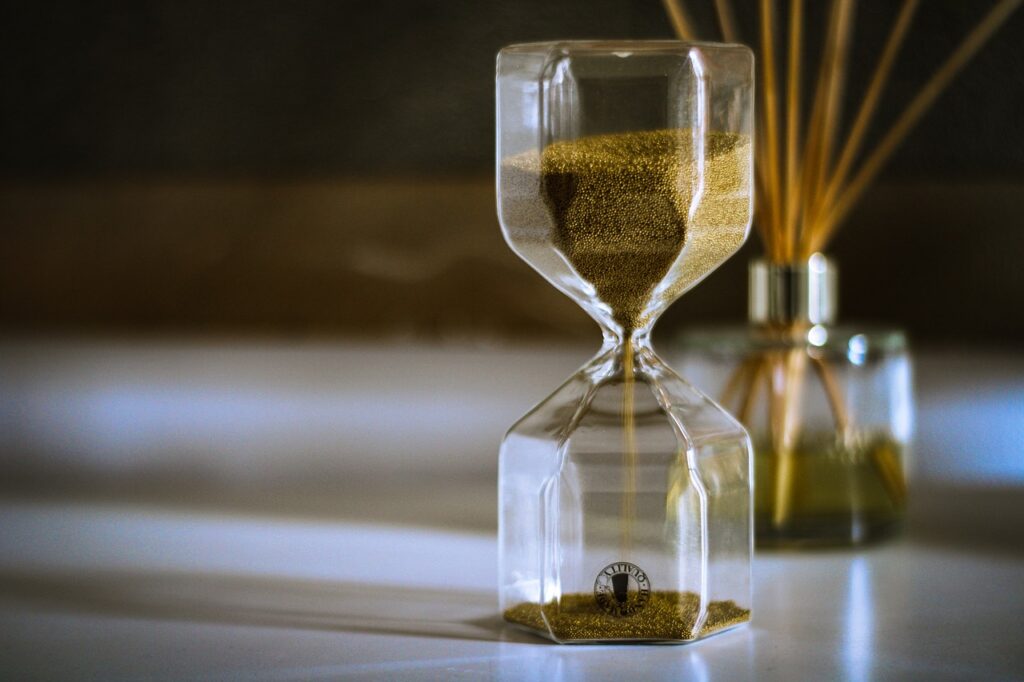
(250,242)
(325,168)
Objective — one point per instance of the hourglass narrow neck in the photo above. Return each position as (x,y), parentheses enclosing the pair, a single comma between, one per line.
(637,339)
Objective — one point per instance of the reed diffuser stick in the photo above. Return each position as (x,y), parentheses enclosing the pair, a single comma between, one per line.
(680,19)
(811,152)
(741,375)
(726,21)
(834,394)
(833,96)
(912,114)
(795,371)
(869,104)
(770,99)
(747,404)
(796,22)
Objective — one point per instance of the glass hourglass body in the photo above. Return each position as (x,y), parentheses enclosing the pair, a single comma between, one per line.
(625,177)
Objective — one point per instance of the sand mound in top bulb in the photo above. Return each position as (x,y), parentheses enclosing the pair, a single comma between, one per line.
(640,216)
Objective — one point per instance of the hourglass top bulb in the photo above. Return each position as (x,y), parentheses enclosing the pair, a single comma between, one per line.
(639,216)
(623,202)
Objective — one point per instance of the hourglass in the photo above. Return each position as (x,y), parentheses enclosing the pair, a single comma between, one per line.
(624,178)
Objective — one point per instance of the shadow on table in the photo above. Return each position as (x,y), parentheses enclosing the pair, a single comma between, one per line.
(424,501)
(267,602)
(983,518)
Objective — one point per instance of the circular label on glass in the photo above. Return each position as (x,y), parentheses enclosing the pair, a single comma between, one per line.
(622,589)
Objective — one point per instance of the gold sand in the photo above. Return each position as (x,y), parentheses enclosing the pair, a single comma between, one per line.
(665,616)
(623,208)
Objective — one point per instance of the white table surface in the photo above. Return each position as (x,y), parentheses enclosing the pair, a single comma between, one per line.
(105,592)
(379,561)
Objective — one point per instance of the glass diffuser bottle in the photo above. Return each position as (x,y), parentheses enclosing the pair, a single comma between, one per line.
(624,177)
(829,408)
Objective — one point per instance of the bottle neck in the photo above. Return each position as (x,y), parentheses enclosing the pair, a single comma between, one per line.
(787,294)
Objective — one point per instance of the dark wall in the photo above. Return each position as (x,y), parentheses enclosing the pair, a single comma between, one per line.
(324,167)
(269,87)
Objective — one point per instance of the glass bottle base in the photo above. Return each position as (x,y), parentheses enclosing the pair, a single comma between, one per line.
(825,494)
(826,531)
